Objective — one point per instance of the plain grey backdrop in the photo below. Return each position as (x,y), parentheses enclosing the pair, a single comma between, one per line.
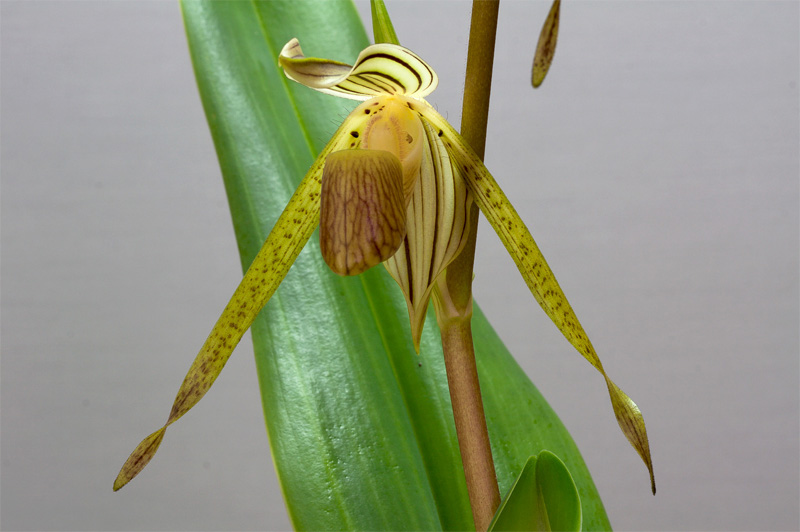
(657,168)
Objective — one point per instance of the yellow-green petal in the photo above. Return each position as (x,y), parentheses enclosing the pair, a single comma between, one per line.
(546,47)
(287,238)
(381,69)
(139,458)
(538,275)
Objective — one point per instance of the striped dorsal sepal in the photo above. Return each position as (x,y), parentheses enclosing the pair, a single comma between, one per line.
(380,69)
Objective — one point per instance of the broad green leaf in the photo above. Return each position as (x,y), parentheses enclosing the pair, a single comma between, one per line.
(543,498)
(360,426)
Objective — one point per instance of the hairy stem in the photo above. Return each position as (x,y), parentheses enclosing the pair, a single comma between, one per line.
(473,438)
(453,294)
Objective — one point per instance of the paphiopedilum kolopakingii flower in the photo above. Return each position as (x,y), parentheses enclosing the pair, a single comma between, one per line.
(394,185)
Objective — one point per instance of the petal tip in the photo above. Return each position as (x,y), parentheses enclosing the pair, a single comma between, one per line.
(652,477)
(139,458)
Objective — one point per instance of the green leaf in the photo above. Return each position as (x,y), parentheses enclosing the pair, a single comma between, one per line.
(360,427)
(543,498)
(382,27)
(558,494)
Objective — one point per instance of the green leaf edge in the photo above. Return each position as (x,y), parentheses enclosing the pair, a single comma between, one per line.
(557,503)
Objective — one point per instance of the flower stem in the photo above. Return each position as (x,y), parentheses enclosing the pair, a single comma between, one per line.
(470,421)
(453,293)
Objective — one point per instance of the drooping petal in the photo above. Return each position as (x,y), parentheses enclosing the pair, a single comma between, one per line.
(284,243)
(380,69)
(139,458)
(362,218)
(436,227)
(546,47)
(537,274)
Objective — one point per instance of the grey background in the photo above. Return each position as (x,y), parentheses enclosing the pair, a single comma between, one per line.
(657,169)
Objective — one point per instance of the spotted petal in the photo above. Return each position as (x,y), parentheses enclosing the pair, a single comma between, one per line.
(537,274)
(287,238)
(380,69)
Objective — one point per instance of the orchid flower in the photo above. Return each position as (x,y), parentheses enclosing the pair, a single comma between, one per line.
(394,186)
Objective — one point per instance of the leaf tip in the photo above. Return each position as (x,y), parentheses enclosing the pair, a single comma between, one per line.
(382,27)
